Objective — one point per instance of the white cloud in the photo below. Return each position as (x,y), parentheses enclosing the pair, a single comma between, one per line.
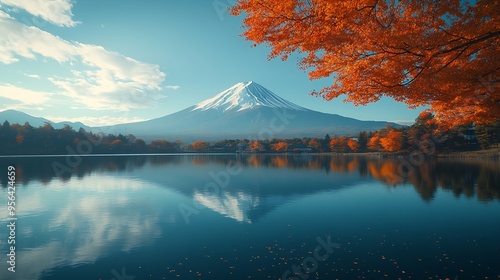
(34,76)
(23,95)
(106,81)
(57,12)
(17,39)
(101,209)
(96,121)
(173,87)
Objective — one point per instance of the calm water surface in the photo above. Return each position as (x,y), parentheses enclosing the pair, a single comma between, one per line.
(253,217)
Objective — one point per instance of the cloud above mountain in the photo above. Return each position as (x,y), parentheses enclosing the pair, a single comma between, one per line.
(26,96)
(92,76)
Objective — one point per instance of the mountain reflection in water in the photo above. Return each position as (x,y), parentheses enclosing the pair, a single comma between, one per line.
(113,212)
(470,178)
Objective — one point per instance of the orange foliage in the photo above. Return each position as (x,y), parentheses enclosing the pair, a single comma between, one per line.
(439,53)
(353,145)
(374,143)
(335,144)
(373,170)
(338,144)
(254,161)
(352,165)
(279,162)
(200,145)
(280,147)
(385,171)
(256,146)
(389,173)
(393,141)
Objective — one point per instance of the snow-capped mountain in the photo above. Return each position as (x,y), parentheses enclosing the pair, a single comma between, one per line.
(244,96)
(245,110)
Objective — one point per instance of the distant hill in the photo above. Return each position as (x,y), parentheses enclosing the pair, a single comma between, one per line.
(13,116)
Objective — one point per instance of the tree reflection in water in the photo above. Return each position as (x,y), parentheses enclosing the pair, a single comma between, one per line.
(479,178)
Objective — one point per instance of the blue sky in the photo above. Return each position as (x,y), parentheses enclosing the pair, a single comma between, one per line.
(115,61)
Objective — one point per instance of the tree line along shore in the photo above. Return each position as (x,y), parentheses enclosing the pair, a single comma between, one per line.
(461,141)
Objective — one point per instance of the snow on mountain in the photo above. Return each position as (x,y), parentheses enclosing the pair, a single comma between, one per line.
(245,110)
(244,96)
(234,206)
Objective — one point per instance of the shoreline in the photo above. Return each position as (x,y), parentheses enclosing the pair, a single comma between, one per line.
(480,154)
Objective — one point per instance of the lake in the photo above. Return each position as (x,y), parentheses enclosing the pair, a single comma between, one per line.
(252,217)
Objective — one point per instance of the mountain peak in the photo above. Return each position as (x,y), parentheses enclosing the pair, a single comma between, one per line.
(243,96)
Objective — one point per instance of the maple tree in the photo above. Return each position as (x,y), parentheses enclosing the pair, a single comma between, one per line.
(280,146)
(335,144)
(374,142)
(256,146)
(339,144)
(353,145)
(444,53)
(393,141)
(200,145)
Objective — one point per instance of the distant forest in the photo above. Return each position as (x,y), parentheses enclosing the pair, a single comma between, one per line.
(16,139)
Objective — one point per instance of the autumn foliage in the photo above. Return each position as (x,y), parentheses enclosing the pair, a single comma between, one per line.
(200,145)
(374,142)
(256,146)
(393,141)
(280,146)
(353,145)
(444,53)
